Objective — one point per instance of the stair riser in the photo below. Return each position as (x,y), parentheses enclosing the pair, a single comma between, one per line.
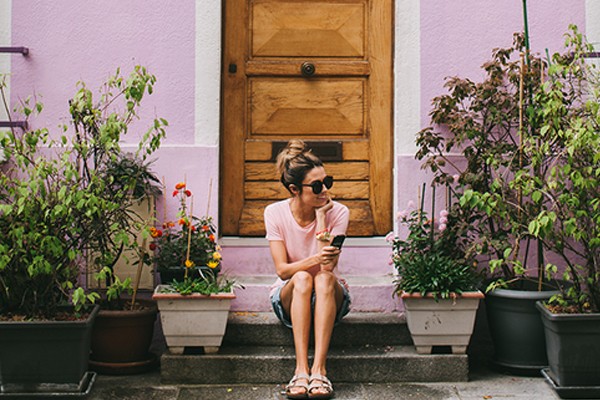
(343,335)
(278,369)
(257,260)
(375,298)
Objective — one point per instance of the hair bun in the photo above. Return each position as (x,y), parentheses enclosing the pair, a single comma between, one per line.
(295,147)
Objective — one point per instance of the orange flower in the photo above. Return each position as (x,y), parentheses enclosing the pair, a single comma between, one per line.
(193,228)
(180,185)
(211,237)
(175,193)
(189,263)
(205,228)
(182,221)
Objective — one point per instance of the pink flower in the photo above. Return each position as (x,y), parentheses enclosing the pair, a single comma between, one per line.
(390,237)
(442,227)
(456,178)
(443,213)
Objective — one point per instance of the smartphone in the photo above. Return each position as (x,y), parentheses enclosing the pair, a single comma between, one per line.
(338,241)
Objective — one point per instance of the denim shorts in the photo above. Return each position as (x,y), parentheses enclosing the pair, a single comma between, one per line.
(285,319)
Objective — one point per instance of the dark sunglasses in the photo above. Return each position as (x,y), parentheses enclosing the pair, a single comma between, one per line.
(317,186)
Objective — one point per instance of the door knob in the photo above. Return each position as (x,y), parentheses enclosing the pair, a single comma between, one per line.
(307,69)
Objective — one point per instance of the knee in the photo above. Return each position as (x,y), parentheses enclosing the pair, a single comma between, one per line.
(303,282)
(325,282)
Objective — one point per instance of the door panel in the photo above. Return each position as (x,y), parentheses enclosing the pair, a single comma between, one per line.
(307,29)
(342,110)
(306,107)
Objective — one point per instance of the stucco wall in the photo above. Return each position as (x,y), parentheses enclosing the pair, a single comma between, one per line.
(179,41)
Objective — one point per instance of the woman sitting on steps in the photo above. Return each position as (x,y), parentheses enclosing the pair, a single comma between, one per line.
(309,290)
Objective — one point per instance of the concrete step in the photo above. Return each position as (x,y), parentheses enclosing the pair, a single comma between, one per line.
(275,364)
(356,329)
(365,347)
(369,293)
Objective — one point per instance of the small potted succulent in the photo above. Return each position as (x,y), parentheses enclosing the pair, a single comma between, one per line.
(436,279)
(190,244)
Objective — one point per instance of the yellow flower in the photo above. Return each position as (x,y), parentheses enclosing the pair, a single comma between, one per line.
(216,255)
(189,263)
(212,264)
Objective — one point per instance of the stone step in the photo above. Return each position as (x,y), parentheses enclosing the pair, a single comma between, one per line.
(275,364)
(365,347)
(356,329)
(369,293)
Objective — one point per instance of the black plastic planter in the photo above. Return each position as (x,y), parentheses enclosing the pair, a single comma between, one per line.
(516,328)
(573,345)
(45,356)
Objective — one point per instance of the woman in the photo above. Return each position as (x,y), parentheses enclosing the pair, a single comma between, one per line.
(299,230)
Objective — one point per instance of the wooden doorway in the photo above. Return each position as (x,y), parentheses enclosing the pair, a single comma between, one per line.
(318,70)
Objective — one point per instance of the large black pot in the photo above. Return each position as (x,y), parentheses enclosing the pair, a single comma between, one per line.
(121,340)
(45,356)
(516,327)
(573,345)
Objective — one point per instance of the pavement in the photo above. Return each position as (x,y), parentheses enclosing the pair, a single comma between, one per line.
(484,383)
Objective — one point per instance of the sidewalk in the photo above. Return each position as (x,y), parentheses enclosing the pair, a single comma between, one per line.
(484,383)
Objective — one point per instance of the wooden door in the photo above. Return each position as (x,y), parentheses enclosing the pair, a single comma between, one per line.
(318,70)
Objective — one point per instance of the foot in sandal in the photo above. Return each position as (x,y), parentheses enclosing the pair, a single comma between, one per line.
(298,387)
(319,387)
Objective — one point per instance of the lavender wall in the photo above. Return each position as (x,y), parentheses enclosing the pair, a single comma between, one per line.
(457,37)
(82,40)
(178,40)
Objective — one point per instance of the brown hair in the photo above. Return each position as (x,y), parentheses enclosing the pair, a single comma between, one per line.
(294,162)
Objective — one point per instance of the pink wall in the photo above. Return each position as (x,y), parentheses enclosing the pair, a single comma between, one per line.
(457,37)
(87,40)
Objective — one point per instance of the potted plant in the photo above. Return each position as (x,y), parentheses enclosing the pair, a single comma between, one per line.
(437,281)
(44,322)
(55,208)
(486,124)
(174,244)
(123,329)
(134,172)
(193,309)
(569,220)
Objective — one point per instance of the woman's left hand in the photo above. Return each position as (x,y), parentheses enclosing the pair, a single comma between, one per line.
(328,257)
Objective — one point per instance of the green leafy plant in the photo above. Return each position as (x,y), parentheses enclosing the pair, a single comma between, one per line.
(431,259)
(190,242)
(59,208)
(568,146)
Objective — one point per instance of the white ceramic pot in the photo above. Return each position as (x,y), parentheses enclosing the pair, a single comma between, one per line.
(193,320)
(446,322)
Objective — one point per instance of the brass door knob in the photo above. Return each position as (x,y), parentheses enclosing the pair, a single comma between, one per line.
(307,69)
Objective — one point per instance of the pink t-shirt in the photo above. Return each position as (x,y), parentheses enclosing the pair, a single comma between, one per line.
(300,242)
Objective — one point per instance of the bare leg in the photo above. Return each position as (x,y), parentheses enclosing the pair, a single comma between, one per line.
(296,297)
(329,297)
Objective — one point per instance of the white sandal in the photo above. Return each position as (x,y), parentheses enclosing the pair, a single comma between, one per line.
(295,384)
(318,381)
